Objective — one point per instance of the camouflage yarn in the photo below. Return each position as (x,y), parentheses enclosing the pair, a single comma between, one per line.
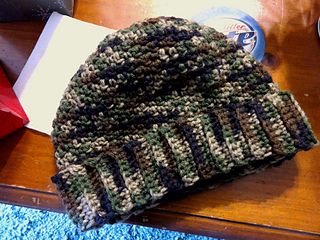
(165,106)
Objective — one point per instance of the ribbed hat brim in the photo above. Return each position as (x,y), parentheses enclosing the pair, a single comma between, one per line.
(181,153)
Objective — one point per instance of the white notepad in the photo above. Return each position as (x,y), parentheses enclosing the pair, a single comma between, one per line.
(63,46)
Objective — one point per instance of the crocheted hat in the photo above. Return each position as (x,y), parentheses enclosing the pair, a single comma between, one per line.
(167,106)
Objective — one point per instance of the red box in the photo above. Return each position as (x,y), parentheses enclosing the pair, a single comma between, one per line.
(12,115)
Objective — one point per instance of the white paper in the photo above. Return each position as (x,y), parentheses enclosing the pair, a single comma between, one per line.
(63,46)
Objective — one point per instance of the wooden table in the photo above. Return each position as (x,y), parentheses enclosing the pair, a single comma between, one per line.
(279,203)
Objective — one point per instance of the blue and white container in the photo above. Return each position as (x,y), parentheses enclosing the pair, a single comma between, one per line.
(237,25)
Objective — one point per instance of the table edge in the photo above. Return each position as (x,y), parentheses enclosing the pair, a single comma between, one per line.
(164,219)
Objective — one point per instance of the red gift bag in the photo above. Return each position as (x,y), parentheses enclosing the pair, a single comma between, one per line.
(12,116)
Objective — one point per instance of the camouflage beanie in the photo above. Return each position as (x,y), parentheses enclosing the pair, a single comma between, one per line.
(164,107)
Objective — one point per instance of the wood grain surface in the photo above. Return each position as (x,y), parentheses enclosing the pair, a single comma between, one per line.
(279,203)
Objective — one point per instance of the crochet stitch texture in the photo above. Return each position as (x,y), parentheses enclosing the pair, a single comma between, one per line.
(167,106)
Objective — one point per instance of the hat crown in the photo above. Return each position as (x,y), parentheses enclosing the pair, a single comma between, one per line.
(166,54)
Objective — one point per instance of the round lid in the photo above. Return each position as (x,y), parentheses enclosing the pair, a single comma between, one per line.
(237,25)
